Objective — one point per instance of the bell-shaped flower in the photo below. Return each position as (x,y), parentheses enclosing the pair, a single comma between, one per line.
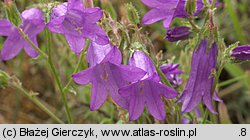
(178,33)
(167,10)
(172,73)
(32,24)
(77,23)
(241,53)
(147,91)
(200,83)
(107,77)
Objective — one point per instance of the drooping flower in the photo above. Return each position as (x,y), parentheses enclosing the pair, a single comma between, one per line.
(167,10)
(32,24)
(147,91)
(178,33)
(107,77)
(172,73)
(200,83)
(241,53)
(77,23)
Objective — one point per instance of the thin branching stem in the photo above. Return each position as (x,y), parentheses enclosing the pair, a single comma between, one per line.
(57,78)
(80,61)
(36,101)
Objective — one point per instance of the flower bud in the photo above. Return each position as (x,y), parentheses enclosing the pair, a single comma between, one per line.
(241,53)
(178,33)
(12,12)
(133,15)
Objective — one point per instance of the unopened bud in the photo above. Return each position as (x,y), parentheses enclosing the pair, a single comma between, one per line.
(133,15)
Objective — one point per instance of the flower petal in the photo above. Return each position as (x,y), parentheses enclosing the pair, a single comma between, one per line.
(96,34)
(153,101)
(130,73)
(93,14)
(193,91)
(136,102)
(83,77)
(216,97)
(241,53)
(164,90)
(200,83)
(153,3)
(136,107)
(155,15)
(96,53)
(32,14)
(76,43)
(12,46)
(76,5)
(5,27)
(29,49)
(168,21)
(141,60)
(114,56)
(56,26)
(98,96)
(34,27)
(59,10)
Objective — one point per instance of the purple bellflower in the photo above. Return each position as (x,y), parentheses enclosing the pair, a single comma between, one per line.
(147,91)
(167,10)
(77,23)
(107,77)
(32,24)
(241,53)
(178,33)
(200,83)
(172,73)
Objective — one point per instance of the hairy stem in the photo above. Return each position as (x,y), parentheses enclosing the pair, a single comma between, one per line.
(32,44)
(37,102)
(57,78)
(80,61)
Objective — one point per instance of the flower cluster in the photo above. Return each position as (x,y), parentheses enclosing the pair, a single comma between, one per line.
(130,86)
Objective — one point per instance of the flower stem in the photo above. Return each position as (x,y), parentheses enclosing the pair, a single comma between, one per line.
(232,81)
(31,43)
(205,116)
(163,78)
(195,27)
(77,66)
(213,4)
(56,76)
(37,102)
(51,65)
